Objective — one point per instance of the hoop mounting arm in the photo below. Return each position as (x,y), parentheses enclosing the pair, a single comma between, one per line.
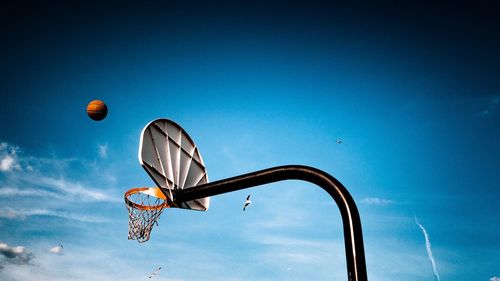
(353,237)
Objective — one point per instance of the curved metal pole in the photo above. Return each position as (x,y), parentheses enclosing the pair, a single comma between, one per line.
(353,237)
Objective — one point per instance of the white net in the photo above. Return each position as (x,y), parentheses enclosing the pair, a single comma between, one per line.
(144,210)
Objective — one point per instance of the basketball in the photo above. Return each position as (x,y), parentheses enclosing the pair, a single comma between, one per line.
(97,110)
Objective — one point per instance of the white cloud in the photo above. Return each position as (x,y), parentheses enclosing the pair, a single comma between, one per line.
(376,201)
(7,163)
(494,279)
(14,255)
(103,150)
(10,213)
(8,157)
(10,252)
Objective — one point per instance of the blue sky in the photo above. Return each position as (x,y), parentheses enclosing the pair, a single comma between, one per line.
(411,89)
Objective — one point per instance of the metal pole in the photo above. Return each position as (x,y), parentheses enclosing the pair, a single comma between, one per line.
(353,237)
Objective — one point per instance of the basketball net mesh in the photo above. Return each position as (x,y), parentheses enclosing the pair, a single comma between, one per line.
(143,212)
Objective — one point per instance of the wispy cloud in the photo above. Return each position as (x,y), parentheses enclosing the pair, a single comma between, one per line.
(10,213)
(282,219)
(14,191)
(103,150)
(429,250)
(277,240)
(494,279)
(14,255)
(376,201)
(13,158)
(289,256)
(491,106)
(85,262)
(74,189)
(46,177)
(37,185)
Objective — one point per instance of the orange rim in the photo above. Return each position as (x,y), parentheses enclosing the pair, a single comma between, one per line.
(151,191)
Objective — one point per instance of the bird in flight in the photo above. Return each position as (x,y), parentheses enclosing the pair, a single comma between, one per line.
(247,202)
(60,245)
(338,141)
(155,272)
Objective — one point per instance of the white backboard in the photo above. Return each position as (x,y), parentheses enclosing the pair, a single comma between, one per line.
(173,161)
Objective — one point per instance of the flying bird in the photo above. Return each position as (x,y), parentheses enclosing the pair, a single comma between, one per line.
(247,202)
(338,141)
(57,249)
(155,272)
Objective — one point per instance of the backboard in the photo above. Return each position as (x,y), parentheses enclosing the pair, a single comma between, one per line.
(172,160)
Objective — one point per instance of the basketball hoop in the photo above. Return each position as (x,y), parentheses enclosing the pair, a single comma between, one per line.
(144,205)
(172,160)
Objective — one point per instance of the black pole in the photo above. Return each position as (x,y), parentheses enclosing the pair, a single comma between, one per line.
(353,237)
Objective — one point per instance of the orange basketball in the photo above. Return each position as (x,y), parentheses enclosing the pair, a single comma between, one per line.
(97,110)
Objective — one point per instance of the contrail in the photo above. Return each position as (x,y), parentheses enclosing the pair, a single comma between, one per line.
(429,250)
